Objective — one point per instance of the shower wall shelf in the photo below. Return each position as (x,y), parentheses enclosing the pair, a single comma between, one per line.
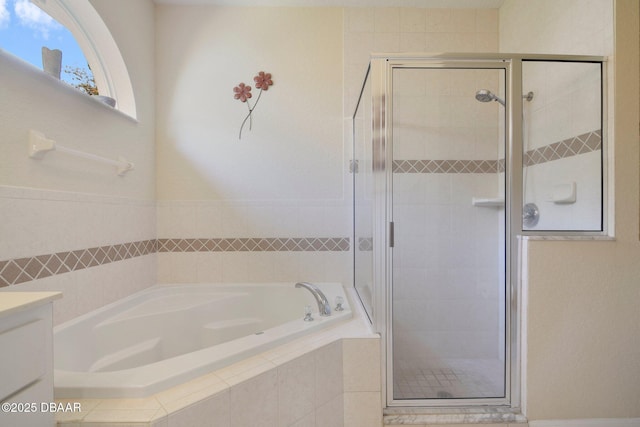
(563,194)
(483,202)
(39,145)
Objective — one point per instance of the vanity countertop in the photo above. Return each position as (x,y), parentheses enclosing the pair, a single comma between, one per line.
(11,302)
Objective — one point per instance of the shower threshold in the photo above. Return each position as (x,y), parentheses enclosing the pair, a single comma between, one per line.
(459,415)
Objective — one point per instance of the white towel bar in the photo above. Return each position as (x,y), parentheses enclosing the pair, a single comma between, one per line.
(39,145)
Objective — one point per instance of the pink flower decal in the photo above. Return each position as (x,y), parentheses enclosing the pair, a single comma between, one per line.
(242,92)
(263,80)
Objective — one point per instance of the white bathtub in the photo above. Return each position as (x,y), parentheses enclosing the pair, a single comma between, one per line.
(169,334)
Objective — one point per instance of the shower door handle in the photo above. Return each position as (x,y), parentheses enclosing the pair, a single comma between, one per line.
(391,234)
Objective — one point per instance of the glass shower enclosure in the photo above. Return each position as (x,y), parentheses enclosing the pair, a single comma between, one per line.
(439,152)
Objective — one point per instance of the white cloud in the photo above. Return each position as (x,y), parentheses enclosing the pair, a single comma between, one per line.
(4,14)
(33,17)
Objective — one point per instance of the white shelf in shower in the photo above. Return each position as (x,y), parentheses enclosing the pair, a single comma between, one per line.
(487,202)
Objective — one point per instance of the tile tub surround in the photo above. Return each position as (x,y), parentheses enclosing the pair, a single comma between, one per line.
(46,233)
(323,379)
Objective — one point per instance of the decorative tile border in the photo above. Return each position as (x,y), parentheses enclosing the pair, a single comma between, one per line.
(445,166)
(584,143)
(258,244)
(20,270)
(365,244)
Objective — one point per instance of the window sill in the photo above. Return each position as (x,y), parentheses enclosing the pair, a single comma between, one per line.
(17,65)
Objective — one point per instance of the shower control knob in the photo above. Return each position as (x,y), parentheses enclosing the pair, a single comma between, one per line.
(530,215)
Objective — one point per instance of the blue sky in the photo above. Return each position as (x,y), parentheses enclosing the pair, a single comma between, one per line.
(25,28)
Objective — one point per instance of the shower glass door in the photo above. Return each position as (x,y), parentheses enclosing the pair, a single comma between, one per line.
(449,279)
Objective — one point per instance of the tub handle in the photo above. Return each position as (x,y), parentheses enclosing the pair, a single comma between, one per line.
(307,314)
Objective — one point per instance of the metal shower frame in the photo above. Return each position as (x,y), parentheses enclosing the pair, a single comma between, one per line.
(380,75)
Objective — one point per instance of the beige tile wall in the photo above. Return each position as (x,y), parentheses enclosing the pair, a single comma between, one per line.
(295,240)
(377,30)
(362,384)
(95,249)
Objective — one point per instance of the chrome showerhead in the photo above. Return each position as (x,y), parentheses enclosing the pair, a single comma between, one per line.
(484,95)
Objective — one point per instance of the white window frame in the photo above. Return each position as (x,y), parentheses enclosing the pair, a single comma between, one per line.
(99,48)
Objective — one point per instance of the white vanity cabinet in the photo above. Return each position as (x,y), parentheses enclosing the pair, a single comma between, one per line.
(26,358)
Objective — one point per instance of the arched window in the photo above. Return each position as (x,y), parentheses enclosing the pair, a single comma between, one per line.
(94,39)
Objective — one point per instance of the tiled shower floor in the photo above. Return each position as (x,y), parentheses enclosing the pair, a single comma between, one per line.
(448,379)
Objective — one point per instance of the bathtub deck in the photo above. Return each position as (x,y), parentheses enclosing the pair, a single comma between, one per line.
(157,410)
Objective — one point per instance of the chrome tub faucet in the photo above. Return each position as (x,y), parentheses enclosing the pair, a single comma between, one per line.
(324,308)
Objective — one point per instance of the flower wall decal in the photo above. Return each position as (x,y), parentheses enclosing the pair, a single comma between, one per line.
(243,93)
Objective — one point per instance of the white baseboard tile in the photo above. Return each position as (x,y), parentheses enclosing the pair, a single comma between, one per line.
(591,422)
